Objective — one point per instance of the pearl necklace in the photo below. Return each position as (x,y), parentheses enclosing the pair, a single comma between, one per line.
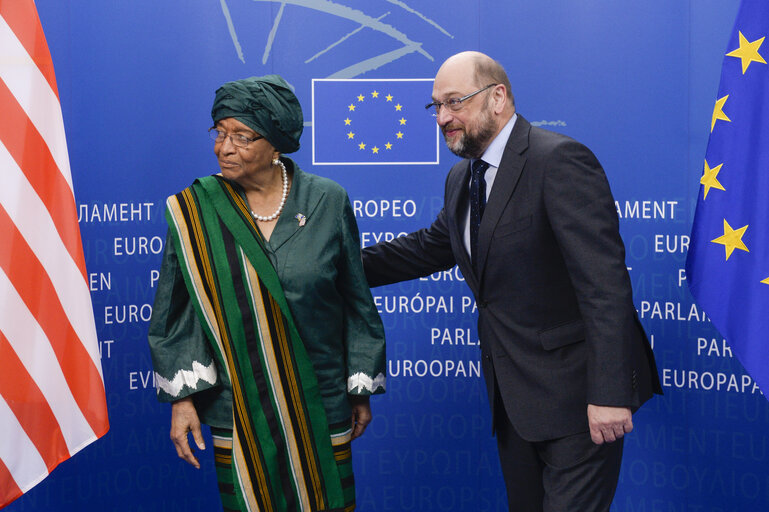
(276,213)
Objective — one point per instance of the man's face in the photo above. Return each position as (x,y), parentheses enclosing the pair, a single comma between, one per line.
(469,130)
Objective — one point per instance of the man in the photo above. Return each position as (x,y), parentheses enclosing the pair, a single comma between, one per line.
(565,359)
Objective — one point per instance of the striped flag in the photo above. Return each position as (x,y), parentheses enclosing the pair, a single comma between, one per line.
(52,401)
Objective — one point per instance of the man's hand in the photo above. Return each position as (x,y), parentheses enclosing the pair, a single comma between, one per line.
(607,424)
(184,419)
(361,414)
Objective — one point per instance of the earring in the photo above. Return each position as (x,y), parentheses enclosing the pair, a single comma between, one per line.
(275,161)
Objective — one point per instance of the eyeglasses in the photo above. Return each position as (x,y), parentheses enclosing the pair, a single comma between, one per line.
(454,104)
(238,140)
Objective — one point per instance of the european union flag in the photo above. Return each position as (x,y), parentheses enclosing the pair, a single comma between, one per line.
(728,262)
(373,122)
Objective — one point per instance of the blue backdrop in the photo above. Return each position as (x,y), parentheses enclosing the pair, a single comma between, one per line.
(635,81)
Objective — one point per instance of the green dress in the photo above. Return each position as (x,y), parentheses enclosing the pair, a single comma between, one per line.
(315,252)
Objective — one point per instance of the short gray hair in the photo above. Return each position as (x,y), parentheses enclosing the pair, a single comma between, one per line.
(489,71)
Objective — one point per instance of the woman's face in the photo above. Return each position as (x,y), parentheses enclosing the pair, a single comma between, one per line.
(242,164)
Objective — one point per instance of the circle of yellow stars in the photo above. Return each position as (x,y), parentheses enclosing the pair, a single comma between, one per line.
(748,53)
(388,145)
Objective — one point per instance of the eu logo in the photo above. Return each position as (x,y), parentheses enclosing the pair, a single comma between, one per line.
(373,122)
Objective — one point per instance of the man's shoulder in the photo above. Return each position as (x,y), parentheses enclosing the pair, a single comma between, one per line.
(545,136)
(544,141)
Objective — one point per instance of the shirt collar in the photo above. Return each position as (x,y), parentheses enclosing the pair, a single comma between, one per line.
(493,153)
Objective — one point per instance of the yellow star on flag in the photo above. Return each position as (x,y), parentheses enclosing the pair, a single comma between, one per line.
(375,149)
(350,135)
(351,107)
(347,121)
(710,178)
(748,52)
(389,97)
(361,146)
(402,120)
(732,239)
(361,97)
(388,146)
(399,135)
(718,112)
(765,281)
(375,94)
(398,107)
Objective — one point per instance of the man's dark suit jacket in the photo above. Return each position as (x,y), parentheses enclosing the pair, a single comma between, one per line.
(557,325)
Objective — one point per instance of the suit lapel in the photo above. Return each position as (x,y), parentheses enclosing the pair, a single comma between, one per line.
(456,204)
(508,174)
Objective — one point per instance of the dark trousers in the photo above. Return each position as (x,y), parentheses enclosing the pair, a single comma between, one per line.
(570,474)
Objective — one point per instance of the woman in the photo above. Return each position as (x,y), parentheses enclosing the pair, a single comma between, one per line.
(263,325)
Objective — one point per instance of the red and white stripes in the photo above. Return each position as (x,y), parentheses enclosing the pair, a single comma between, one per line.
(52,401)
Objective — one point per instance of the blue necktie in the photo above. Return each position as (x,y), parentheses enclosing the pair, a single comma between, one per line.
(477,205)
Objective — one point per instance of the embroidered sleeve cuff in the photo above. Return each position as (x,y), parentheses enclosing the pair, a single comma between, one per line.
(362,384)
(186,382)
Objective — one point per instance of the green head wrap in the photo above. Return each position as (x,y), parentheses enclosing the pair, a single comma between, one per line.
(267,105)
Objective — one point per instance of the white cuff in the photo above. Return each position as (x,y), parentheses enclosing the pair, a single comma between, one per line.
(187,378)
(361,381)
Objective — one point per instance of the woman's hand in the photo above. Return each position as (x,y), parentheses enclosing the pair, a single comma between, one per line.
(184,419)
(361,414)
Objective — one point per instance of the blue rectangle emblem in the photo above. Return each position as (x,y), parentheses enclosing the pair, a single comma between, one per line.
(373,122)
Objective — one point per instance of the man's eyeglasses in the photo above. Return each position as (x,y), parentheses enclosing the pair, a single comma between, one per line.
(238,140)
(454,104)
